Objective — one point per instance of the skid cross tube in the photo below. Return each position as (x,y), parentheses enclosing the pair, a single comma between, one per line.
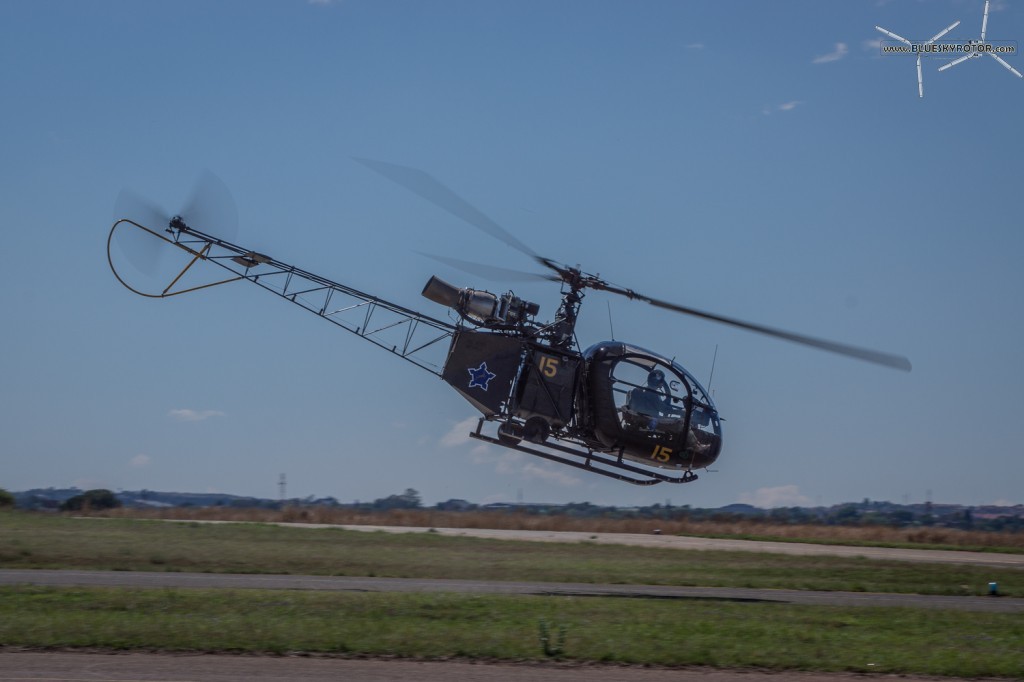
(414,337)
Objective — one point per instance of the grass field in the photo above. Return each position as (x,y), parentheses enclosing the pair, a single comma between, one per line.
(672,633)
(667,632)
(46,541)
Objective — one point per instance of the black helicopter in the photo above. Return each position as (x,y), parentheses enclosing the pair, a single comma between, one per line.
(613,409)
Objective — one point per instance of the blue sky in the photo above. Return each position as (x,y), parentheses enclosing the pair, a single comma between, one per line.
(759,160)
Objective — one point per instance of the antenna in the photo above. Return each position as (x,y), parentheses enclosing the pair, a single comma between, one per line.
(712,375)
(611,328)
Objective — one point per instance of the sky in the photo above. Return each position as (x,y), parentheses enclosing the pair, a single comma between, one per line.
(759,160)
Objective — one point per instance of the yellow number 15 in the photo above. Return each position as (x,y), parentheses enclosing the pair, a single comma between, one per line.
(548,366)
(661,453)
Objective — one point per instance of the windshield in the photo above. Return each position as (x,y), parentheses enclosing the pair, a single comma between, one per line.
(649,396)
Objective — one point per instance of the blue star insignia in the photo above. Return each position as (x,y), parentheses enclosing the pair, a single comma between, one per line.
(480,376)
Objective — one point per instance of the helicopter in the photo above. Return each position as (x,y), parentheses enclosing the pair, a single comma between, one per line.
(612,408)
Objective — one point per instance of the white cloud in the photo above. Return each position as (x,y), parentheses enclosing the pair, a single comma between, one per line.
(187,415)
(551,473)
(873,45)
(779,496)
(459,433)
(518,464)
(785,106)
(139,461)
(506,462)
(834,56)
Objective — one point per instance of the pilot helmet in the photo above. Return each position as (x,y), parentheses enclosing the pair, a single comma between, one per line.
(656,378)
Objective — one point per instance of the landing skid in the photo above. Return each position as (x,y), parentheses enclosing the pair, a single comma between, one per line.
(587,460)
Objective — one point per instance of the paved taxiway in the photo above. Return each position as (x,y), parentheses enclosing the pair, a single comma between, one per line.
(683,542)
(143,579)
(96,667)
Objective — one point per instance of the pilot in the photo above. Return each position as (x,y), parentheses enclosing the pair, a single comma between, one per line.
(655,399)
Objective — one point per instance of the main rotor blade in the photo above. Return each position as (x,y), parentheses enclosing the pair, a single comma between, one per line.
(491,272)
(943,32)
(893,35)
(1002,61)
(427,187)
(877,357)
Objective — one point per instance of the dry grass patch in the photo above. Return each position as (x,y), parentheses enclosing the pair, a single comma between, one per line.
(513,520)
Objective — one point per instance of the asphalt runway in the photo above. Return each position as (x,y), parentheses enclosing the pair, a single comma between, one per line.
(135,667)
(143,579)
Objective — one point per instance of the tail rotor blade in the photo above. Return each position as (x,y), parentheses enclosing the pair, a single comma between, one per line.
(920,80)
(211,208)
(142,249)
(984,22)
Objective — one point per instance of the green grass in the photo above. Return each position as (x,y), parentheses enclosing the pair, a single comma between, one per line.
(44,541)
(635,631)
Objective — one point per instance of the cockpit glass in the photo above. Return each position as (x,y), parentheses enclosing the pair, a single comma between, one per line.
(650,397)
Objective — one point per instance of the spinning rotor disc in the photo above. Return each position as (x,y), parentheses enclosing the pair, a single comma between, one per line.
(432,190)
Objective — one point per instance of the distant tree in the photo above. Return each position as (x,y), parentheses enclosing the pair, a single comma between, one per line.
(6,499)
(455,505)
(901,518)
(410,499)
(99,498)
(846,515)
